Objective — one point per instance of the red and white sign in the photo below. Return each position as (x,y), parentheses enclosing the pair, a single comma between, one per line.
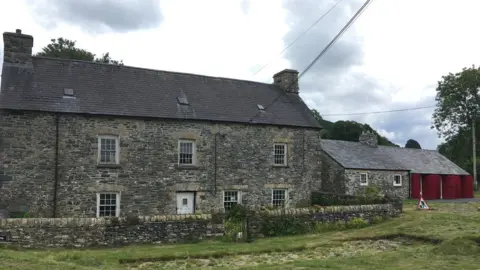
(422,204)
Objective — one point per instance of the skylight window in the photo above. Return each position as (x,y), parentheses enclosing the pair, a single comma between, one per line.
(182,100)
(260,107)
(68,92)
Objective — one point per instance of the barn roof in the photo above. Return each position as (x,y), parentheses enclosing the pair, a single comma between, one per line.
(70,86)
(355,155)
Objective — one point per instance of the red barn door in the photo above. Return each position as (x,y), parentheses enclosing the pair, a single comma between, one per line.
(431,186)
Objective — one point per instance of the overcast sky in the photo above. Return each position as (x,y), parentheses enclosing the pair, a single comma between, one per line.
(391,58)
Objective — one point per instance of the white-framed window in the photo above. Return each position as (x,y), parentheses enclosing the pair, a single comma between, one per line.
(231,198)
(186,152)
(108,150)
(279,197)
(397,180)
(108,204)
(280,154)
(363,179)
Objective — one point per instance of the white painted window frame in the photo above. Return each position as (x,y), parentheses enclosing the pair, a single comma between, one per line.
(194,152)
(239,196)
(285,155)
(117,149)
(286,196)
(401,180)
(366,178)
(117,203)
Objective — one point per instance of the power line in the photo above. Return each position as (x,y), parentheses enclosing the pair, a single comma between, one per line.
(301,35)
(376,112)
(343,30)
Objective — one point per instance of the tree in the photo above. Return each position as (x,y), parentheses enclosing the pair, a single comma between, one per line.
(65,48)
(412,144)
(458,101)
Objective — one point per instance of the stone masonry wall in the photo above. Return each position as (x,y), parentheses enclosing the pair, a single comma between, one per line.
(92,232)
(333,175)
(27,152)
(148,175)
(97,232)
(381,179)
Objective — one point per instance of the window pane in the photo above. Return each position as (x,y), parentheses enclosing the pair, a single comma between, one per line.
(186,153)
(108,150)
(279,154)
(107,204)
(278,197)
(230,199)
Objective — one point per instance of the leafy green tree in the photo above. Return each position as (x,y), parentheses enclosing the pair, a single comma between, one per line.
(458,148)
(412,144)
(458,101)
(65,48)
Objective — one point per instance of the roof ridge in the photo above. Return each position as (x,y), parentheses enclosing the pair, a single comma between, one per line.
(150,69)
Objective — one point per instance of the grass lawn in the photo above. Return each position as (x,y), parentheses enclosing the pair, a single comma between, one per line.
(455,225)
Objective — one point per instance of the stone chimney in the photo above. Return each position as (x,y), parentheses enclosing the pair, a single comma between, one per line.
(17,49)
(368,138)
(287,79)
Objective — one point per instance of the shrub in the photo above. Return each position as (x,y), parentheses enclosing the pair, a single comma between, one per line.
(237,213)
(369,196)
(286,225)
(356,223)
(232,229)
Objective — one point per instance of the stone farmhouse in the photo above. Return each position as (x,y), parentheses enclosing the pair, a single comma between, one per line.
(350,167)
(84,139)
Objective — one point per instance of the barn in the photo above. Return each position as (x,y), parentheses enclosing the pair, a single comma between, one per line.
(402,172)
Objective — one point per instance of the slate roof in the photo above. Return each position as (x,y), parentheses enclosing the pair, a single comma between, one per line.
(128,91)
(354,155)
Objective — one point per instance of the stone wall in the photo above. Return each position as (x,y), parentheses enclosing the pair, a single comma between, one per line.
(229,157)
(333,175)
(27,162)
(93,232)
(381,179)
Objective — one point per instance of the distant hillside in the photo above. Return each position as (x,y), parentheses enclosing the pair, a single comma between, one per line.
(347,130)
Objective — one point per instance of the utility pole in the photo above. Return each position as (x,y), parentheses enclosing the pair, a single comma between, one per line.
(474,157)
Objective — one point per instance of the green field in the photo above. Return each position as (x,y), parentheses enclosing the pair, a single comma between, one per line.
(444,238)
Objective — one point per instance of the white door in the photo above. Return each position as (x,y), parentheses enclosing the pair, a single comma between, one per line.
(185,202)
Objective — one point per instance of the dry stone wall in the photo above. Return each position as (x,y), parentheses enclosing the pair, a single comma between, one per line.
(93,232)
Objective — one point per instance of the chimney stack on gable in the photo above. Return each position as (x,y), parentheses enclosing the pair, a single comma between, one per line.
(17,49)
(287,79)
(368,138)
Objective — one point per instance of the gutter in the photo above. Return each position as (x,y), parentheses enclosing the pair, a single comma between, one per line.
(55,187)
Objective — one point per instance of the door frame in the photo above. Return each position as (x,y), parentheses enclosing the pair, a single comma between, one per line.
(194,200)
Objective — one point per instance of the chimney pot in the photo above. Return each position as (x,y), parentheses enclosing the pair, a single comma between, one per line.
(18,31)
(287,79)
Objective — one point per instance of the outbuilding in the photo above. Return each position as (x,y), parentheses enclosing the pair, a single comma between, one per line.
(349,167)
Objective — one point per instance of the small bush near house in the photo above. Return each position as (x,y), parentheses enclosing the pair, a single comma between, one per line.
(286,225)
(370,196)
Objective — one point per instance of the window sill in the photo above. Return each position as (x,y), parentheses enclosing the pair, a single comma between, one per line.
(111,166)
(397,185)
(280,166)
(186,167)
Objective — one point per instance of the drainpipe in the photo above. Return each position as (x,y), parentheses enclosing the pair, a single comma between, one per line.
(55,187)
(215,166)
(410,184)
